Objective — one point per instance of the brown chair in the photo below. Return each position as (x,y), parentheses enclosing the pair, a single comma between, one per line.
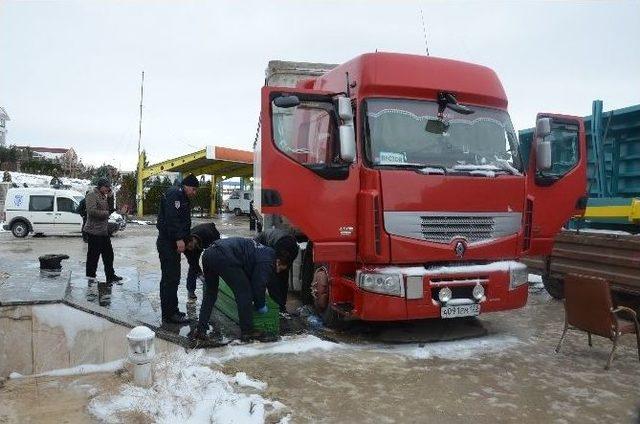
(588,307)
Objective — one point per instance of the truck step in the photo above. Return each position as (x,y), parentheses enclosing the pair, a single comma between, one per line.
(268,323)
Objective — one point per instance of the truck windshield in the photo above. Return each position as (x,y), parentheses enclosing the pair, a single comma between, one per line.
(483,143)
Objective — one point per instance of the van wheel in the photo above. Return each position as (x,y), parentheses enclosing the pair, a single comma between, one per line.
(237,211)
(20,229)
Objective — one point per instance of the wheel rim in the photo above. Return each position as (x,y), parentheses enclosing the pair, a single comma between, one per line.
(320,289)
(19,230)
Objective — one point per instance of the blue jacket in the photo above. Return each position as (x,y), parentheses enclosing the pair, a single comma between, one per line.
(174,216)
(256,260)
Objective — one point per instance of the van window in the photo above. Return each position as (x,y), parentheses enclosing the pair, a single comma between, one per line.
(41,203)
(65,204)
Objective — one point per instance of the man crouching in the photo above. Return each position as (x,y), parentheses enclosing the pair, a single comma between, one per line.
(246,266)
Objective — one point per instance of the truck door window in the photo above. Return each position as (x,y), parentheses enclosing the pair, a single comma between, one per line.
(41,203)
(565,152)
(65,204)
(306,133)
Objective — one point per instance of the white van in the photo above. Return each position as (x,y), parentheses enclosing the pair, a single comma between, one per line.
(47,211)
(238,202)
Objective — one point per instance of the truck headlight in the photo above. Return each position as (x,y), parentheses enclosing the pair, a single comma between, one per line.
(391,284)
(445,294)
(478,292)
(518,275)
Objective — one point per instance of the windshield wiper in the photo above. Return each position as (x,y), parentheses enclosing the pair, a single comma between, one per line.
(505,165)
(433,170)
(421,167)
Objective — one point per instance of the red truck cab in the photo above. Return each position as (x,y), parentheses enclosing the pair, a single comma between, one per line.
(404,173)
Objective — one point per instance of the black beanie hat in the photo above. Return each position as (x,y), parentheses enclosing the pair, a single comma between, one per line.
(191,181)
(287,248)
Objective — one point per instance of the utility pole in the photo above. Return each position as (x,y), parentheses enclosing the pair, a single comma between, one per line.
(141,157)
(140,120)
(424,32)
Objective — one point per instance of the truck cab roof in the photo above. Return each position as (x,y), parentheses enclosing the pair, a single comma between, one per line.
(413,76)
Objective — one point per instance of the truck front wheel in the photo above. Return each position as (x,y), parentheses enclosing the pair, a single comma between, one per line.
(554,286)
(321,291)
(20,229)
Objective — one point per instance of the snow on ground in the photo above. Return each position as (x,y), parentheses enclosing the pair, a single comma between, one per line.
(454,350)
(83,369)
(287,345)
(71,320)
(36,180)
(188,389)
(534,278)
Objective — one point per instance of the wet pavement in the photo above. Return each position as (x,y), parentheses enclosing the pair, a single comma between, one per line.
(136,299)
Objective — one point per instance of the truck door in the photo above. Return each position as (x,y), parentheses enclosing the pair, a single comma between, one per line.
(299,172)
(67,221)
(557,193)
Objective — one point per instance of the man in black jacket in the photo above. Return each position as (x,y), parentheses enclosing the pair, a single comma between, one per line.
(278,284)
(246,266)
(174,226)
(202,236)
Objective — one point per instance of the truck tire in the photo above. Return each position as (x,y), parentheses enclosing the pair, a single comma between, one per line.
(321,291)
(554,286)
(237,211)
(20,229)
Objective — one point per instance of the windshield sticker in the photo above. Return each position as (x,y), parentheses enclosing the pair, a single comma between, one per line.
(391,158)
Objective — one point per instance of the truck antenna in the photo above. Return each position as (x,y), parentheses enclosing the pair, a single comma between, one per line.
(424,32)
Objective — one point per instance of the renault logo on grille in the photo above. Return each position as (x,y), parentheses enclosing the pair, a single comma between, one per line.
(460,249)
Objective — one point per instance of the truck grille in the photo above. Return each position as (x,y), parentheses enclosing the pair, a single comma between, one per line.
(443,228)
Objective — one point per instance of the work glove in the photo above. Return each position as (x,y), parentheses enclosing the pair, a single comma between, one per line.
(263,310)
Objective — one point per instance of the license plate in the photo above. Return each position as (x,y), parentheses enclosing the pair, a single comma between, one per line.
(456,311)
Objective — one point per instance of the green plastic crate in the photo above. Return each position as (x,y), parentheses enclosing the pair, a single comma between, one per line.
(268,323)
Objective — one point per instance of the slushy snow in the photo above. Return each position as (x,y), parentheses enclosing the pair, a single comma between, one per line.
(187,389)
(83,369)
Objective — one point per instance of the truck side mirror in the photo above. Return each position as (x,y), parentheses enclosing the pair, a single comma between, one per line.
(543,146)
(347,131)
(543,155)
(543,127)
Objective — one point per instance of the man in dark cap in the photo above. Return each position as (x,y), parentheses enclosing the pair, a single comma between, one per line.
(278,285)
(202,236)
(98,209)
(246,266)
(174,227)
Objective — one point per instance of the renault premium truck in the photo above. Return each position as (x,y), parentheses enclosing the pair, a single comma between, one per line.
(405,175)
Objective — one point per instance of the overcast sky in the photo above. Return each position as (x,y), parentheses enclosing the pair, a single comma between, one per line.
(70,71)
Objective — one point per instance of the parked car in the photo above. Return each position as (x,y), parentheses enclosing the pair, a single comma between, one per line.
(238,202)
(47,211)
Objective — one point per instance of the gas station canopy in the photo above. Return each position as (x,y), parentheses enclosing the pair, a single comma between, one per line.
(219,162)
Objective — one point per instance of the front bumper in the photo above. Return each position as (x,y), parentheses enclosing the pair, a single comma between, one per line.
(6,227)
(420,292)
